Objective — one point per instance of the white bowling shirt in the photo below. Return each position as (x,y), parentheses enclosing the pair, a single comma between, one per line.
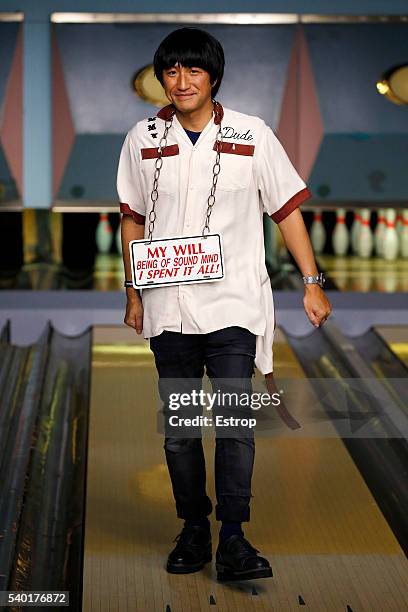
(256,177)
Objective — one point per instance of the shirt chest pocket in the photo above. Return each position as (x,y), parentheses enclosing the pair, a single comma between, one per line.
(236,161)
(169,171)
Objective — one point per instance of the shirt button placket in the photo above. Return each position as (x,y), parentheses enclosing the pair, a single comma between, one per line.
(190,190)
(187,225)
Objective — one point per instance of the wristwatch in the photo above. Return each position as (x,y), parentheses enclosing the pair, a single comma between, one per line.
(128,283)
(314,280)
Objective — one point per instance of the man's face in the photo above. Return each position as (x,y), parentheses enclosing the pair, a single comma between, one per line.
(187,88)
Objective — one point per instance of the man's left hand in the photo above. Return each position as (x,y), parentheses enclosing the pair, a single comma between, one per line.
(316,304)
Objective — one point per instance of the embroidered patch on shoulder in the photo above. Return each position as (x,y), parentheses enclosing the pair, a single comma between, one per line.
(230,132)
(151,127)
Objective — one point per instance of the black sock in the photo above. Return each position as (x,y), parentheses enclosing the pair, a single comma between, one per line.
(229,528)
(201,522)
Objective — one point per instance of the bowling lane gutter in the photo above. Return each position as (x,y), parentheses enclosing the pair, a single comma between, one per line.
(382,459)
(387,366)
(43,454)
(5,333)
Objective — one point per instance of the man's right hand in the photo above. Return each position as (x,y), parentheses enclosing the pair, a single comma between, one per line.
(134,311)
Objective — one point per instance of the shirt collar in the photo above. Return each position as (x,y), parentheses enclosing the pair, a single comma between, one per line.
(182,133)
(168,111)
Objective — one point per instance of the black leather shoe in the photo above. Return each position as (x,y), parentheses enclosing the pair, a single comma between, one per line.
(192,552)
(236,559)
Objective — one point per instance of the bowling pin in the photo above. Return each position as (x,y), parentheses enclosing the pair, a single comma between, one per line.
(103,235)
(340,237)
(398,224)
(118,237)
(365,237)
(390,245)
(379,232)
(355,231)
(318,233)
(390,281)
(404,234)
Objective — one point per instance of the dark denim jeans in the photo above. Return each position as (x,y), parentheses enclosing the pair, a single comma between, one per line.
(227,353)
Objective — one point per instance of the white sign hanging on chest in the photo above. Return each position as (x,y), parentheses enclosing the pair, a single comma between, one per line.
(176,261)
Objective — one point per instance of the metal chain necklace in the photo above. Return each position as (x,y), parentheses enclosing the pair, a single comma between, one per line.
(157,168)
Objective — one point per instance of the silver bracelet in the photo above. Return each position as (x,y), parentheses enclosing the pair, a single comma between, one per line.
(314,280)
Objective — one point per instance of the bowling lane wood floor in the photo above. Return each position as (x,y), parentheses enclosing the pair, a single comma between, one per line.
(312,514)
(348,273)
(373,274)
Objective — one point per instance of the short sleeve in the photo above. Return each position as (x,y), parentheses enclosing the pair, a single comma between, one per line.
(129,183)
(281,188)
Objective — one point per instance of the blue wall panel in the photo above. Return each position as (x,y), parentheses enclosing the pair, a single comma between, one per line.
(347,61)
(100,60)
(92,166)
(364,152)
(8,187)
(37,115)
(362,167)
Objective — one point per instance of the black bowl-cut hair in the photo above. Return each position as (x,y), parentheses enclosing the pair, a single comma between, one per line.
(191,47)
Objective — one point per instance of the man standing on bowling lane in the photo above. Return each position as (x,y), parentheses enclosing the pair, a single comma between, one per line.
(224,326)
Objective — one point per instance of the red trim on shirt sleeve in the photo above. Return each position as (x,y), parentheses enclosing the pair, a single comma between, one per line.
(126,210)
(290,205)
